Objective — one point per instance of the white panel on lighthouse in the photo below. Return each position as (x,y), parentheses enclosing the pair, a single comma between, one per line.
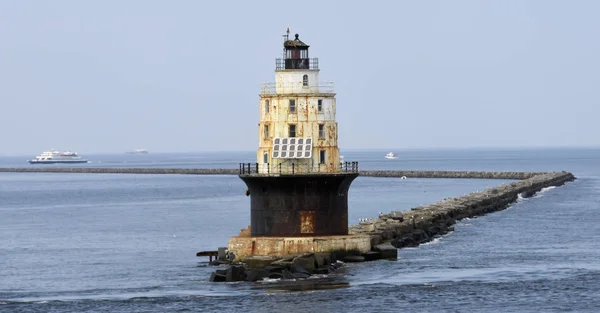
(292,148)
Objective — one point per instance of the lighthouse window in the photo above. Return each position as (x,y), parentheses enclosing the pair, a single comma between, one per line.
(305,80)
(266,131)
(267,104)
(322,157)
(292,106)
(321,131)
(292,130)
(320,105)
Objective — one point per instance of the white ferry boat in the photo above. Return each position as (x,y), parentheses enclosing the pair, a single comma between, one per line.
(54,156)
(391,156)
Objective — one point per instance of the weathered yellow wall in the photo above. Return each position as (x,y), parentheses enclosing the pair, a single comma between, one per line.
(306,118)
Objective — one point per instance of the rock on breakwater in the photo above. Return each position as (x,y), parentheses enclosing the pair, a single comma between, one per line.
(421,224)
(257,268)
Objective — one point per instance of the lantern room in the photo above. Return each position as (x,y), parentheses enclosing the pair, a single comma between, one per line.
(295,55)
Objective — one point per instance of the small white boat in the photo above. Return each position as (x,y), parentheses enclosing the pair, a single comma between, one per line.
(138,151)
(391,156)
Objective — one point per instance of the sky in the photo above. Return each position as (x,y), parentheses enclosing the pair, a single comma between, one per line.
(183,76)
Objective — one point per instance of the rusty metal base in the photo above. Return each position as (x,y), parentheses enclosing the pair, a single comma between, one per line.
(309,205)
(244,247)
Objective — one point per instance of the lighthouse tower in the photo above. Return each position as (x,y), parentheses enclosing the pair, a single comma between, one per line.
(298,187)
(297,116)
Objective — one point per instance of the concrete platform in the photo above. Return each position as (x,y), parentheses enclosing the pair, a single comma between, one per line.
(244,246)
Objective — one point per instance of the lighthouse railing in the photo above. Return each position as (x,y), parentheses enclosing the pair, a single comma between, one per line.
(296,169)
(296,88)
(297,64)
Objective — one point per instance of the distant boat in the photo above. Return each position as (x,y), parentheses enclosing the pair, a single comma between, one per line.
(391,156)
(138,151)
(54,156)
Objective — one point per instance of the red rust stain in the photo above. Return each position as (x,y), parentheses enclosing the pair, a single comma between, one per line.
(307,222)
(307,105)
(331,132)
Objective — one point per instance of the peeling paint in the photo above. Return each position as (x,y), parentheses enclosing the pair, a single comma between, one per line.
(307,119)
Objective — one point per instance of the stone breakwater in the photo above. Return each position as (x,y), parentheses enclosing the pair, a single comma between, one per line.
(452,174)
(424,223)
(230,171)
(398,229)
(115,170)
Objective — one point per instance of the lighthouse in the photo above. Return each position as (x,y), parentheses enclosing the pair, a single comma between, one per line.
(298,187)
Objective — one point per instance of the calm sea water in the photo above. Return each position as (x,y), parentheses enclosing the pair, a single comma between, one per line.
(127,243)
